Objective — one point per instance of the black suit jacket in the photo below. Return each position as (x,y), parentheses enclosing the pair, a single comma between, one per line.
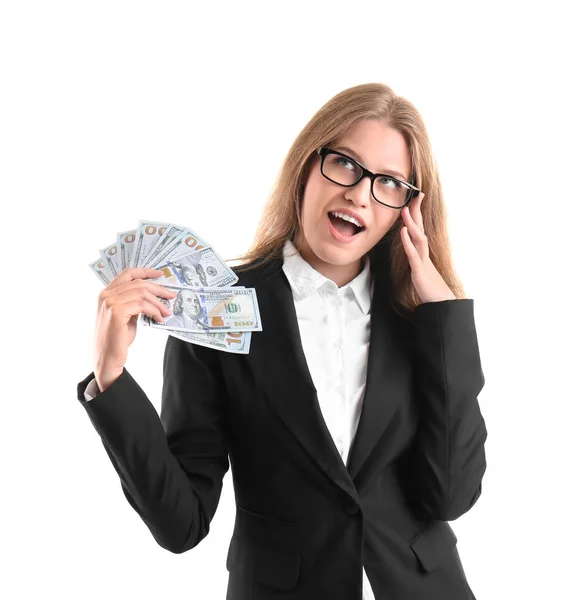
(305,523)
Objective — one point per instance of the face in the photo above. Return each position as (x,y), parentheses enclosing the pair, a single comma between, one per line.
(190,275)
(190,304)
(379,148)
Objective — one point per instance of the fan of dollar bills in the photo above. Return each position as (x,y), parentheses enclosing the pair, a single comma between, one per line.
(206,310)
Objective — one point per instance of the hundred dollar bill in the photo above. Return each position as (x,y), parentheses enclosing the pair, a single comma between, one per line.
(101,269)
(126,243)
(237,342)
(171,233)
(147,236)
(209,310)
(110,255)
(198,269)
(187,242)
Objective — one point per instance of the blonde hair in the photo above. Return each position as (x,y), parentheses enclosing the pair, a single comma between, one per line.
(281,218)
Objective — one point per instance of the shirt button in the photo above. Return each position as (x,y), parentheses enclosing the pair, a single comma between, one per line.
(335,302)
(338,345)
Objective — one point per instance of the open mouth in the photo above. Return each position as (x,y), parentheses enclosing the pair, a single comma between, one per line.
(343,227)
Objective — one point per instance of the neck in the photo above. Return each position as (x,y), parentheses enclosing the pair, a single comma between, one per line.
(340,274)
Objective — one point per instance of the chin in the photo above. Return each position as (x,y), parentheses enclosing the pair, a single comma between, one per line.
(339,257)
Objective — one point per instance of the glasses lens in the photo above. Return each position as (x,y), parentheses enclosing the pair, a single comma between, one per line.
(344,171)
(390,191)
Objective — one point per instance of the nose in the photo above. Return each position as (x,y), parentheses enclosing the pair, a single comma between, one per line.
(361,193)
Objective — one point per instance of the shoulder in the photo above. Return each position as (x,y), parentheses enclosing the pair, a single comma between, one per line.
(258,272)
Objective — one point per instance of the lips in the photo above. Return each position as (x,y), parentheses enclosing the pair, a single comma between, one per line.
(351,213)
(343,226)
(343,233)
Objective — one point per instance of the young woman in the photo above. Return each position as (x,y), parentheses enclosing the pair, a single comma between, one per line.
(352,426)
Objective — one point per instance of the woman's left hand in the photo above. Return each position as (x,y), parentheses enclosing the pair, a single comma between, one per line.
(427,281)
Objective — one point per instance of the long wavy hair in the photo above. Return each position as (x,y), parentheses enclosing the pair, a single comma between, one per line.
(281,217)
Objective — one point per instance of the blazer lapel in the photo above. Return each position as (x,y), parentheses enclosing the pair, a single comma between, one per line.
(386,382)
(276,355)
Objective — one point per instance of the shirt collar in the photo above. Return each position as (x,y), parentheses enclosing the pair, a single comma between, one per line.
(305,280)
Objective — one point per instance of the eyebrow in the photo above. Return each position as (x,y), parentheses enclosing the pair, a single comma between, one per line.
(386,171)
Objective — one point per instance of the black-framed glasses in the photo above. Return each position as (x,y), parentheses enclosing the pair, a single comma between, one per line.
(346,171)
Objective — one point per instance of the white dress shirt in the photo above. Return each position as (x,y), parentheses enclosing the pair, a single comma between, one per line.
(334,324)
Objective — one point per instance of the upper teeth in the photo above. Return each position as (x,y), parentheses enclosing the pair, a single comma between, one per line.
(347,218)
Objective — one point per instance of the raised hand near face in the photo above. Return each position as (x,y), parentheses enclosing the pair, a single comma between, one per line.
(427,281)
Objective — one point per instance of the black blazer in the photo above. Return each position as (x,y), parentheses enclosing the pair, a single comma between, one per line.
(305,523)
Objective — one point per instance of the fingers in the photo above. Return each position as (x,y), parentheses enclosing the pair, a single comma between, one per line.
(132,284)
(144,297)
(413,219)
(419,212)
(139,306)
(409,247)
(412,234)
(138,300)
(130,273)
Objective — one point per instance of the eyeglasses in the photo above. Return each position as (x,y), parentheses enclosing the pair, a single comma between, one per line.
(346,171)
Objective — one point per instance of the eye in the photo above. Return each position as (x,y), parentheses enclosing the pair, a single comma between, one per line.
(390,182)
(344,162)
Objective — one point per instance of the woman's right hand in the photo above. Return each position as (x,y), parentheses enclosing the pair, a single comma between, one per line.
(119,305)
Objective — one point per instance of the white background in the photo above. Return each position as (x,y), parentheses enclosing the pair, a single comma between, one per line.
(116,111)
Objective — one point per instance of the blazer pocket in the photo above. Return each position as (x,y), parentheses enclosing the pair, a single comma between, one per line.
(281,534)
(264,564)
(433,544)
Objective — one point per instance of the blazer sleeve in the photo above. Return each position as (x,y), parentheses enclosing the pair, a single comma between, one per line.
(447,458)
(171,465)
